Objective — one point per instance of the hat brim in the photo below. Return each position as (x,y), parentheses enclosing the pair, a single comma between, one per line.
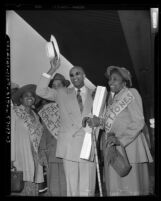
(14,85)
(109,69)
(55,46)
(27,88)
(123,71)
(67,83)
(60,77)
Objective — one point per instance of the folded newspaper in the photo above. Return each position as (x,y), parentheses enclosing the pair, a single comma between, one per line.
(98,107)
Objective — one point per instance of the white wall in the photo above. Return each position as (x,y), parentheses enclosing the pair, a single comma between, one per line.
(28,54)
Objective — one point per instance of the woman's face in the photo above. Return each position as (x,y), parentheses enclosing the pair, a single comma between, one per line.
(116,82)
(57,84)
(27,99)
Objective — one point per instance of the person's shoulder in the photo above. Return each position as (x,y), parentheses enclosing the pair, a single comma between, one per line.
(62,90)
(91,91)
(135,92)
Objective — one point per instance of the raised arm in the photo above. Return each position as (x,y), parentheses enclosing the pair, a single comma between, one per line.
(55,64)
(42,89)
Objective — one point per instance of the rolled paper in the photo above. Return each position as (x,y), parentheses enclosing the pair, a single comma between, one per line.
(50,50)
(99,100)
(55,44)
(98,107)
(86,147)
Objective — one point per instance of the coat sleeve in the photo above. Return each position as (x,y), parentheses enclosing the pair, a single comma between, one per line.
(136,124)
(44,91)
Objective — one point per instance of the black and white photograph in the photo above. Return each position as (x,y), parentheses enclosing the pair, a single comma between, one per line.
(82,84)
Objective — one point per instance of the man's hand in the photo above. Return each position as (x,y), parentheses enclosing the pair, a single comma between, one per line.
(84,121)
(55,64)
(92,122)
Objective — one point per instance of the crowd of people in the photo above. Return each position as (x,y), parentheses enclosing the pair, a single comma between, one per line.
(47,135)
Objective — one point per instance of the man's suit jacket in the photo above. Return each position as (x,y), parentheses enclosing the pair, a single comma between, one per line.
(68,145)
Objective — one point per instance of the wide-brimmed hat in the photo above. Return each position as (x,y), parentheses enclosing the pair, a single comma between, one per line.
(59,76)
(14,85)
(26,88)
(123,71)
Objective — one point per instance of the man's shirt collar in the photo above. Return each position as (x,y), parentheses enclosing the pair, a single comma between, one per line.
(83,89)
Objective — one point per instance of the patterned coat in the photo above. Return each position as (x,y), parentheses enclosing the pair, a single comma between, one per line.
(21,151)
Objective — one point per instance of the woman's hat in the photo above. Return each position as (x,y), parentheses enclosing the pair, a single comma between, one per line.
(14,85)
(26,88)
(59,76)
(123,71)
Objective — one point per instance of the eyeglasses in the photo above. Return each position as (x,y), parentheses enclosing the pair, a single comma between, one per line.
(77,73)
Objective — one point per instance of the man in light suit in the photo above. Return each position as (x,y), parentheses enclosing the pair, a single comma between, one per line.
(80,174)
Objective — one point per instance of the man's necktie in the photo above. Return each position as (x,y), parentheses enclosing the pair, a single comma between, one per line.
(80,102)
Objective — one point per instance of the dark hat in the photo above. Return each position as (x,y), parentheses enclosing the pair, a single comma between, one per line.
(123,71)
(59,76)
(26,88)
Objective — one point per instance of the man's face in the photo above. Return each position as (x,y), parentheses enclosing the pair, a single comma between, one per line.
(77,77)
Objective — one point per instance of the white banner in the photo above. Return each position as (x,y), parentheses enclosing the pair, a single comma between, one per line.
(116,108)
